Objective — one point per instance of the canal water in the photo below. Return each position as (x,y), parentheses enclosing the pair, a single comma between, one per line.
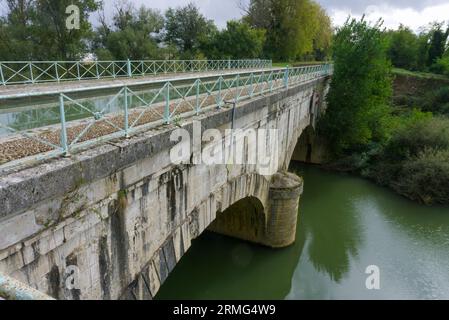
(346,225)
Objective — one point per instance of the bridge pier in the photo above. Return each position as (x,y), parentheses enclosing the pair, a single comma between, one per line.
(285,192)
(272,224)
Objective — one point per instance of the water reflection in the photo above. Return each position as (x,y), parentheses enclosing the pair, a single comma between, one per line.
(333,231)
(346,224)
(217,267)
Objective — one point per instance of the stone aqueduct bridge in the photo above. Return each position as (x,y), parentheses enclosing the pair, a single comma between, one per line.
(123,215)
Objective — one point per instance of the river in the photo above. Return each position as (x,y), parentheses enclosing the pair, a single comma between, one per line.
(346,224)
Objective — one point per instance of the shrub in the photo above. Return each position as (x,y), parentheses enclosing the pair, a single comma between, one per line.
(441,66)
(415,162)
(425,178)
(416,136)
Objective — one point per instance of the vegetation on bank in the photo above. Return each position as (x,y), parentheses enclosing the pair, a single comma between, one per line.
(402,146)
(425,51)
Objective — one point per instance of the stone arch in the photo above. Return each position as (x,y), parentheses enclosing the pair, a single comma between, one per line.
(245,219)
(304,150)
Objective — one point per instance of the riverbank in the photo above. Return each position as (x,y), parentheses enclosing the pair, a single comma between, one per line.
(413,160)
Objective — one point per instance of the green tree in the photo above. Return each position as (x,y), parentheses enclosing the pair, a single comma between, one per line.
(437,45)
(237,41)
(133,34)
(15,31)
(186,28)
(404,48)
(323,38)
(423,50)
(36,29)
(294,27)
(55,40)
(358,101)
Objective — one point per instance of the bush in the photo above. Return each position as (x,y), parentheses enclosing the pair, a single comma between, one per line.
(441,66)
(425,178)
(417,136)
(437,101)
(415,162)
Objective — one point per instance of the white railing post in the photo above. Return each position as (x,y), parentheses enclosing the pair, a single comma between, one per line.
(97,69)
(78,70)
(31,72)
(56,72)
(197,104)
(130,71)
(126,113)
(2,76)
(65,149)
(219,92)
(167,104)
(286,75)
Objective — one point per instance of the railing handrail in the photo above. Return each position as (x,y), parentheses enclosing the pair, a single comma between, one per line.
(135,84)
(133,60)
(25,72)
(12,289)
(163,100)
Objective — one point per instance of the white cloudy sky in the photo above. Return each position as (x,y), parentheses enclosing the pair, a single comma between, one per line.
(414,13)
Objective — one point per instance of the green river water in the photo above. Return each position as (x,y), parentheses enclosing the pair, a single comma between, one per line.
(345,225)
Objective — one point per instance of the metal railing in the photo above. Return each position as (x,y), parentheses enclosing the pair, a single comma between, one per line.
(25,72)
(75,123)
(11,289)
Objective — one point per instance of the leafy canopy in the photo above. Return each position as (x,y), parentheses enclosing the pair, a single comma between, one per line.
(358,101)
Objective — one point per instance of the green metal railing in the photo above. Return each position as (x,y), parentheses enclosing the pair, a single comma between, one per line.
(82,123)
(11,289)
(24,72)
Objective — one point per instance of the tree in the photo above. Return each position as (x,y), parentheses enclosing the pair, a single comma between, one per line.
(36,30)
(186,27)
(294,27)
(15,37)
(55,39)
(323,37)
(404,48)
(237,41)
(438,40)
(133,34)
(361,87)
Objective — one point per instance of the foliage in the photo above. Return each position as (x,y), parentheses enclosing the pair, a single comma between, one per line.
(186,27)
(358,112)
(437,101)
(423,52)
(237,41)
(294,27)
(282,29)
(36,30)
(437,45)
(415,162)
(441,66)
(131,35)
(404,48)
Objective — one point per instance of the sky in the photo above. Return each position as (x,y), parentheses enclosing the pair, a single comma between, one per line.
(412,13)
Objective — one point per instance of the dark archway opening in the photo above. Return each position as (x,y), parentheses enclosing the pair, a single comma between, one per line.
(304,150)
(243,220)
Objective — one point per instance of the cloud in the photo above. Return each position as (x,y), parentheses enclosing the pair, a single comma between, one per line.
(413,13)
(218,10)
(359,6)
(393,15)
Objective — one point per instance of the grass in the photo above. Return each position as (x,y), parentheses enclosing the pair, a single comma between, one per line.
(418,74)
